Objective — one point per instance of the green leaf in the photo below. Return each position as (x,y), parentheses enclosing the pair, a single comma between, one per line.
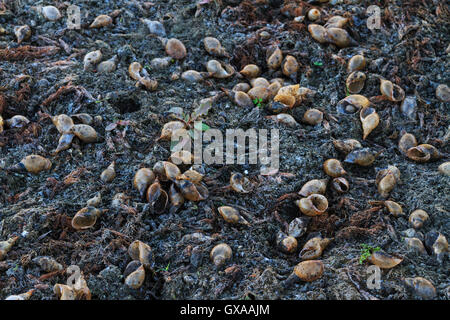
(201,126)
(317,63)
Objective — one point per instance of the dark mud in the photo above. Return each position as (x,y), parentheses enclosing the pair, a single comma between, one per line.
(409,49)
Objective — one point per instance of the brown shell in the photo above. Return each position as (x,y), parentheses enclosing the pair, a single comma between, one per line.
(309,270)
(231,215)
(85,218)
(313,186)
(143,178)
(355,81)
(35,163)
(313,116)
(313,205)
(333,168)
(384,260)
(141,251)
(417,218)
(250,71)
(313,248)
(176,49)
(406,142)
(317,32)
(391,91)
(102,20)
(357,62)
(220,254)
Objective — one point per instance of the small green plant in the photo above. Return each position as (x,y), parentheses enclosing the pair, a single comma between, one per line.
(347,93)
(164,269)
(318,63)
(258,102)
(366,252)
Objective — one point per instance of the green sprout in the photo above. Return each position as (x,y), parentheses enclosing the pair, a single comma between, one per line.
(318,63)
(258,102)
(366,252)
(164,269)
(347,93)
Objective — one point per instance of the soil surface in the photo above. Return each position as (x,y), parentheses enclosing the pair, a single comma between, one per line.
(410,49)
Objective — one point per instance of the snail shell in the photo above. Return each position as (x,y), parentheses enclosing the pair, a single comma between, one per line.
(391,91)
(273,89)
(313,14)
(102,20)
(191,191)
(160,63)
(340,185)
(5,246)
(109,173)
(336,22)
(95,201)
(309,270)
(333,168)
(369,120)
(84,132)
(136,278)
(134,70)
(338,37)
(443,93)
(107,66)
(284,118)
(192,175)
(274,58)
(23,296)
(384,260)
(415,244)
(84,118)
(35,163)
(221,254)
(258,93)
(63,123)
(92,58)
(355,81)
(298,227)
(352,104)
(214,47)
(406,142)
(437,244)
(259,82)
(357,62)
(22,33)
(242,99)
(239,183)
(287,244)
(290,67)
(314,186)
(141,251)
(64,292)
(169,128)
(386,183)
(250,71)
(314,247)
(64,142)
(423,153)
(176,49)
(346,146)
(157,197)
(155,27)
(231,215)
(421,287)
(417,218)
(313,116)
(313,205)
(219,70)
(51,13)
(363,157)
(444,168)
(241,86)
(317,32)
(166,170)
(175,197)
(394,208)
(285,99)
(181,157)
(48,264)
(85,218)
(192,76)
